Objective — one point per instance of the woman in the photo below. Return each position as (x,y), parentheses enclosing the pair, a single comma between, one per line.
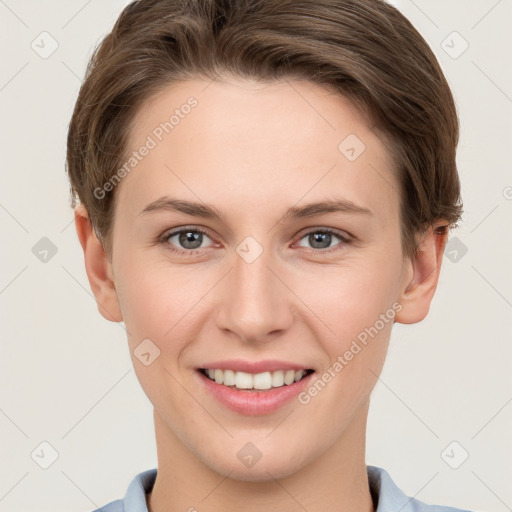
(261,190)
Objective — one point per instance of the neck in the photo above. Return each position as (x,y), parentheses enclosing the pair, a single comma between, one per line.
(336,480)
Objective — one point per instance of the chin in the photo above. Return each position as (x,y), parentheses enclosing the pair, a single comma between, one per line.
(266,469)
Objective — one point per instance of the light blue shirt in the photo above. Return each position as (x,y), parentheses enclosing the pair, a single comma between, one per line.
(387,495)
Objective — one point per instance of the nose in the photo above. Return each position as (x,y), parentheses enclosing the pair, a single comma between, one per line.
(256,304)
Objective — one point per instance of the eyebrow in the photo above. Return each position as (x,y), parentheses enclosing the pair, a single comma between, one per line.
(295,212)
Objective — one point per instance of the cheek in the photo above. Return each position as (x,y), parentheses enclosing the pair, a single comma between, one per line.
(158,305)
(156,298)
(351,298)
(358,308)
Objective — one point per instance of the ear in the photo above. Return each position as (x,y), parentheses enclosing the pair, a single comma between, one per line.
(98,268)
(423,274)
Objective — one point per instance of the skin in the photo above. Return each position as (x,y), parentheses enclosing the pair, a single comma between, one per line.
(253,150)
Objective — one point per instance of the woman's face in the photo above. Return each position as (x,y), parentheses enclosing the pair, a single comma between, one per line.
(265,282)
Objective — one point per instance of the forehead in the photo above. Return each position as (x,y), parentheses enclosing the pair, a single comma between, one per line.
(268,143)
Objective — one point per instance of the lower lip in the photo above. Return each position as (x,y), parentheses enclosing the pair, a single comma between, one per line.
(254,403)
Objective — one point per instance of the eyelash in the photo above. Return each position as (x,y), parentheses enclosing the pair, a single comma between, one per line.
(192,252)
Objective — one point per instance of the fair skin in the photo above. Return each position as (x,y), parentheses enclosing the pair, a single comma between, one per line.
(253,150)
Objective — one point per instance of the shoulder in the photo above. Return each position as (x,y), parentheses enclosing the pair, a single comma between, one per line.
(390,498)
(135,497)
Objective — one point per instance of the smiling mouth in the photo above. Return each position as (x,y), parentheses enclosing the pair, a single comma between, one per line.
(254,382)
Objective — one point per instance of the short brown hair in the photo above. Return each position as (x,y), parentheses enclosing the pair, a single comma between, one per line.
(364,49)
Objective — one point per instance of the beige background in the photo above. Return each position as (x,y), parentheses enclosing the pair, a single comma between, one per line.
(65,373)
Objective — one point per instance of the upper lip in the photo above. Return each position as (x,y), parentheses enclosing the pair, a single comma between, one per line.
(241,365)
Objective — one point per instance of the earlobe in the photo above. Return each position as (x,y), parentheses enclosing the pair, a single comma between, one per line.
(418,290)
(98,267)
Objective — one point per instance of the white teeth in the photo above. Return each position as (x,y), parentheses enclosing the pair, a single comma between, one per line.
(262,381)
(242,380)
(229,378)
(299,375)
(289,377)
(278,379)
(265,380)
